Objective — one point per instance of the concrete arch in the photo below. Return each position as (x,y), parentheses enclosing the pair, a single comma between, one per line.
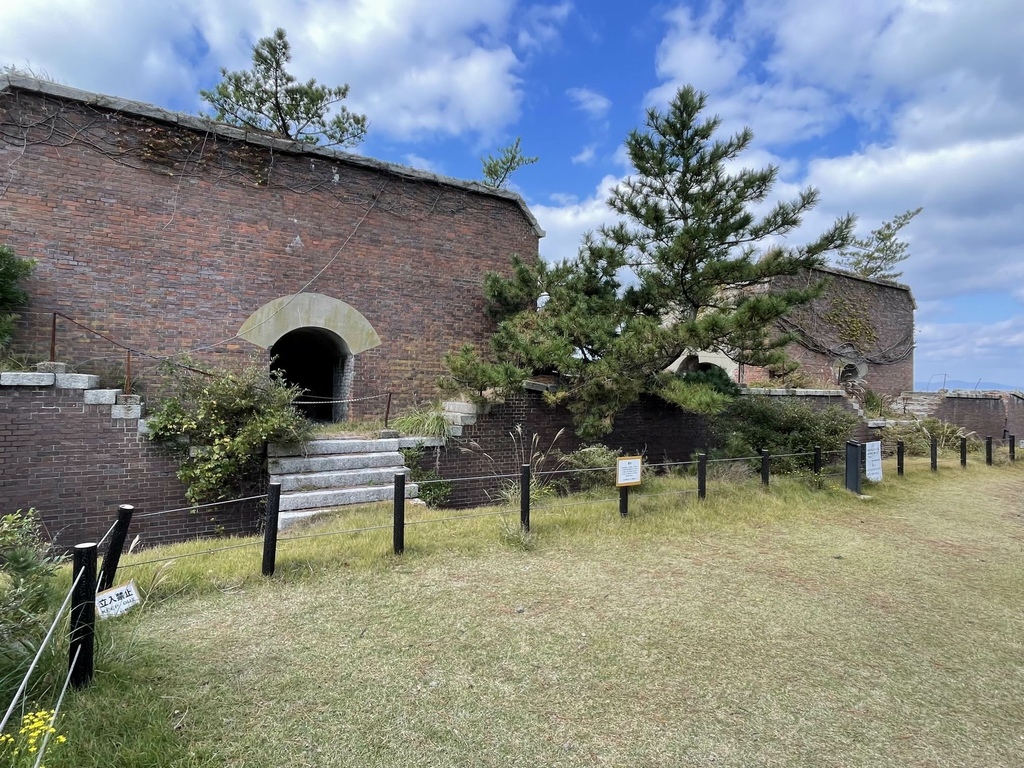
(275,319)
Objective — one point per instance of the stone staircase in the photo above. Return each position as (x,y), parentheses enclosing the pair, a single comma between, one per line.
(333,472)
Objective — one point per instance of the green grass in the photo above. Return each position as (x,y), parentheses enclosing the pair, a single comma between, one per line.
(786,627)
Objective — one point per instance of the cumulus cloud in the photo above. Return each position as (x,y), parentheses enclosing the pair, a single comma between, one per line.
(417,70)
(567,221)
(593,103)
(585,156)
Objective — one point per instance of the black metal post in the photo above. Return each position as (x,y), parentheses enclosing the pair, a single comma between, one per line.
(935,454)
(702,476)
(270,529)
(901,452)
(83,615)
(116,547)
(766,465)
(624,500)
(853,467)
(817,459)
(398,539)
(1013,447)
(988,450)
(963,451)
(387,411)
(524,497)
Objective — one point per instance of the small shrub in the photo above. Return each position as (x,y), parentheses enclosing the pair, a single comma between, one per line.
(27,594)
(435,494)
(594,466)
(219,426)
(917,437)
(783,426)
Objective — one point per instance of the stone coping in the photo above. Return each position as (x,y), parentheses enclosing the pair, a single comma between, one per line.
(793,392)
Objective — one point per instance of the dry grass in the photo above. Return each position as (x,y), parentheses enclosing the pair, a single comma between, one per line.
(764,628)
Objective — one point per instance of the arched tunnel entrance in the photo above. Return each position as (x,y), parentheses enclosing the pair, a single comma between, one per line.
(314,359)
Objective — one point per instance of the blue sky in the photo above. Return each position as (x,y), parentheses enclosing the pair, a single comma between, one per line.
(883,105)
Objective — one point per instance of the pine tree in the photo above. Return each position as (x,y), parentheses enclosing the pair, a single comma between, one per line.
(878,254)
(13,271)
(268,98)
(687,269)
(498,168)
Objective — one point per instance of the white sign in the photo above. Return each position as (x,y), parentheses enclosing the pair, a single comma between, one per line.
(873,461)
(114,602)
(627,470)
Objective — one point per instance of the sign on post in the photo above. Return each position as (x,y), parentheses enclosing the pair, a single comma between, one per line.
(873,461)
(627,470)
(117,600)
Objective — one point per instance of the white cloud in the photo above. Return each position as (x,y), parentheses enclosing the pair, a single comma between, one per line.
(566,223)
(585,155)
(591,102)
(422,163)
(541,25)
(415,69)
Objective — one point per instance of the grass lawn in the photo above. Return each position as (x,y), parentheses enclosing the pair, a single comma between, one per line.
(781,628)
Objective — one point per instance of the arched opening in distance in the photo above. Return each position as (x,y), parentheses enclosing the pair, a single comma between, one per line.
(313,359)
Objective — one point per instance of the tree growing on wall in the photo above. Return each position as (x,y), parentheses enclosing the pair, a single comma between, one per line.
(686,269)
(13,271)
(269,98)
(498,168)
(878,254)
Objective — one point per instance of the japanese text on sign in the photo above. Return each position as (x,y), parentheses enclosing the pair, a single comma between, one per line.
(873,461)
(627,470)
(114,602)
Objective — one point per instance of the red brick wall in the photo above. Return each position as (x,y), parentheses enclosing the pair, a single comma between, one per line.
(988,414)
(75,465)
(874,317)
(167,239)
(651,427)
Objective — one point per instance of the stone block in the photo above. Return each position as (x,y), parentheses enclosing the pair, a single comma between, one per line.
(101,396)
(26,379)
(126,411)
(51,367)
(129,399)
(77,381)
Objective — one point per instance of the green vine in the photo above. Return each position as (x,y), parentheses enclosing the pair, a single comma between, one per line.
(850,322)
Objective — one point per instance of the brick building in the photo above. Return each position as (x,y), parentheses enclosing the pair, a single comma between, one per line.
(175,235)
(858,329)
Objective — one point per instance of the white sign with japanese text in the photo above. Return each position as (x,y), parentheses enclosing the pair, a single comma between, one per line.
(873,461)
(627,470)
(115,601)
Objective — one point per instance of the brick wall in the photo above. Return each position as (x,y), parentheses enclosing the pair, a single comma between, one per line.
(75,465)
(986,413)
(651,427)
(167,238)
(856,319)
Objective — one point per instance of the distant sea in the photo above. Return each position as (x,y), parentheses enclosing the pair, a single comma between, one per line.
(936,384)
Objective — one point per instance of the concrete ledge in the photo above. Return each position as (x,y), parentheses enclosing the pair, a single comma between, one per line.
(48,367)
(461,406)
(968,395)
(416,442)
(793,392)
(101,396)
(26,379)
(126,411)
(77,381)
